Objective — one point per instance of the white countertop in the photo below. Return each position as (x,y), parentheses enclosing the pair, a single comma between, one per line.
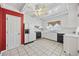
(61,32)
(74,35)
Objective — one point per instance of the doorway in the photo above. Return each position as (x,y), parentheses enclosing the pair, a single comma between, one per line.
(13,31)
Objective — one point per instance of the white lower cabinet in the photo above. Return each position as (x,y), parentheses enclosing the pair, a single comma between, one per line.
(26,38)
(31,36)
(71,45)
(78,46)
(51,36)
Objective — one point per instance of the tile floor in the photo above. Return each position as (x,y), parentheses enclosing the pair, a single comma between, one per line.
(40,47)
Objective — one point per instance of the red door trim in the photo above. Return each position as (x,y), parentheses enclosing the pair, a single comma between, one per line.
(4,11)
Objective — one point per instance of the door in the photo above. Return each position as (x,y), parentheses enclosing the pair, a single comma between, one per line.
(13,31)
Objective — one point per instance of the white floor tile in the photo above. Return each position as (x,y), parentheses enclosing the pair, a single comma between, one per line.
(40,47)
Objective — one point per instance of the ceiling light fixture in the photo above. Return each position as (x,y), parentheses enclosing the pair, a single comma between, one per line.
(38,9)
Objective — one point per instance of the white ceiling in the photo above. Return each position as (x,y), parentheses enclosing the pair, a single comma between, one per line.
(53,8)
(50,6)
(18,6)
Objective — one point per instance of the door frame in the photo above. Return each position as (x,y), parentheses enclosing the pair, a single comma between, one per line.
(4,11)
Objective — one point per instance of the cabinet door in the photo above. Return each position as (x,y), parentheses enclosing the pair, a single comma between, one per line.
(32,34)
(78,46)
(26,38)
(66,44)
(70,45)
(52,36)
(73,45)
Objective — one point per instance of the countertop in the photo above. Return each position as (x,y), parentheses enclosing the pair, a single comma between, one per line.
(74,35)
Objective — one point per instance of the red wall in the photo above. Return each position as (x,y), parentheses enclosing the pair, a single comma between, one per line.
(3,13)
(0,31)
